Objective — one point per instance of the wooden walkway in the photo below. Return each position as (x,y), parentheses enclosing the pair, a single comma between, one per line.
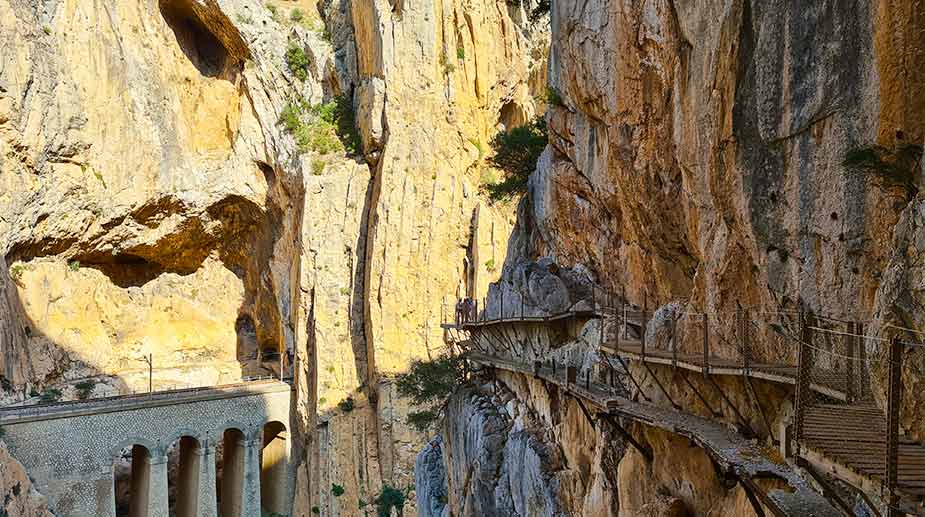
(735,455)
(840,432)
(850,439)
(477,323)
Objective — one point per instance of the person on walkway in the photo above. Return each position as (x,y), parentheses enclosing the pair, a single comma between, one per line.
(470,309)
(460,312)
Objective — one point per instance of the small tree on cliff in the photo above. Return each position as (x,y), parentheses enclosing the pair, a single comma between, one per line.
(429,384)
(516,153)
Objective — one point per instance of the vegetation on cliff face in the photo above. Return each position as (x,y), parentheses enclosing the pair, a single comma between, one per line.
(297,61)
(516,153)
(388,499)
(429,384)
(322,128)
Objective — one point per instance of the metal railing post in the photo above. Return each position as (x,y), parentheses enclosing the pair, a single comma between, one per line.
(674,341)
(894,401)
(706,344)
(850,340)
(743,336)
(623,321)
(522,306)
(803,377)
(643,332)
(501,306)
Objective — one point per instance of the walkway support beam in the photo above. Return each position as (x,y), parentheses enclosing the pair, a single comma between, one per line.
(894,400)
(643,449)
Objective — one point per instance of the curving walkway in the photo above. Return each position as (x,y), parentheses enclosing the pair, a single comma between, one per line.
(737,456)
(838,426)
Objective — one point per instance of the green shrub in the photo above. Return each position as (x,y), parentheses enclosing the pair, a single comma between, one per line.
(429,384)
(478,146)
(316,510)
(346,405)
(337,490)
(297,61)
(85,388)
(296,15)
(460,53)
(490,265)
(274,12)
(16,272)
(74,265)
(50,395)
(516,153)
(330,127)
(553,97)
(244,18)
(33,392)
(390,498)
(46,29)
(318,166)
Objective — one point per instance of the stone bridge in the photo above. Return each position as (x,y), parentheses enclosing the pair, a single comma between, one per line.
(175,442)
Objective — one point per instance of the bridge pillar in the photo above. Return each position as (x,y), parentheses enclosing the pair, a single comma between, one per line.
(250,499)
(157,496)
(106,493)
(240,475)
(207,484)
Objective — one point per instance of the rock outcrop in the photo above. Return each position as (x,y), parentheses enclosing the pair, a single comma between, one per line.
(18,496)
(706,156)
(153,202)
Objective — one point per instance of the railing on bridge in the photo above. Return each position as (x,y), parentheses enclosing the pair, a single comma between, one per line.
(21,408)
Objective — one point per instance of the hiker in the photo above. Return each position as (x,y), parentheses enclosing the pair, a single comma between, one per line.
(460,311)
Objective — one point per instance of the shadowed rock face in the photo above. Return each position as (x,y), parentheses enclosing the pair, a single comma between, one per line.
(705,157)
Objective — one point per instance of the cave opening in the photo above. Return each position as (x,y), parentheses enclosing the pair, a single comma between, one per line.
(204,50)
(247,338)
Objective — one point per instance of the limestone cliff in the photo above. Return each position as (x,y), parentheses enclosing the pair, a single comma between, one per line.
(709,155)
(155,200)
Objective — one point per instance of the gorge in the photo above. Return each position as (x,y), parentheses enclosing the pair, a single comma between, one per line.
(199,196)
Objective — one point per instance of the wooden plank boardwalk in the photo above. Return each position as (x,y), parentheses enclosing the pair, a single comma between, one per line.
(477,323)
(731,451)
(842,431)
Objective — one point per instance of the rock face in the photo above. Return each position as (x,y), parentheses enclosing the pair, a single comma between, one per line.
(709,155)
(502,459)
(152,203)
(19,497)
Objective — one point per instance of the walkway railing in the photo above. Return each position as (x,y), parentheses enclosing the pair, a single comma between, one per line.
(832,363)
(508,308)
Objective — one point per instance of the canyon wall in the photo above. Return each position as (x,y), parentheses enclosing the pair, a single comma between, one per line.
(712,156)
(154,203)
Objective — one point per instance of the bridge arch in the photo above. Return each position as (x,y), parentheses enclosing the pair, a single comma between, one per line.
(180,432)
(184,475)
(153,447)
(233,461)
(139,495)
(274,464)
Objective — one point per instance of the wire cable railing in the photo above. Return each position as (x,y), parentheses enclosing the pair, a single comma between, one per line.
(834,364)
